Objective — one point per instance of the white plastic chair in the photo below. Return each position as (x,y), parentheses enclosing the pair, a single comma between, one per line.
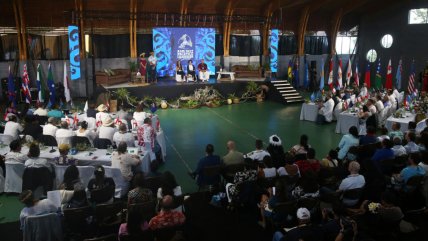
(178,78)
(6,139)
(13,180)
(421,125)
(63,140)
(92,123)
(59,174)
(121,184)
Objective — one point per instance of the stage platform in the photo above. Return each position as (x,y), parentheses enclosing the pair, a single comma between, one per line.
(170,89)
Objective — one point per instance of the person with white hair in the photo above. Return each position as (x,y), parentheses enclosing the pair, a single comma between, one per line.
(12,127)
(123,135)
(353,181)
(64,134)
(233,156)
(50,129)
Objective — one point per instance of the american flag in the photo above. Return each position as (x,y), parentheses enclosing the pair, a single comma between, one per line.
(411,86)
(25,84)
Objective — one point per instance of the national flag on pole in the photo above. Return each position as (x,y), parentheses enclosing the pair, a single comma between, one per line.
(11,89)
(306,78)
(296,74)
(378,78)
(411,85)
(40,86)
(388,80)
(356,76)
(51,86)
(339,75)
(349,73)
(75,120)
(367,76)
(330,75)
(290,71)
(25,84)
(322,75)
(66,85)
(86,107)
(398,75)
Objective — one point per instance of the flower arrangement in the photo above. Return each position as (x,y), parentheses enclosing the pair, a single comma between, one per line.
(373,207)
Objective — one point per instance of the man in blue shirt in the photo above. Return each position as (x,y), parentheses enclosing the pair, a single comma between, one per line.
(413,169)
(209,160)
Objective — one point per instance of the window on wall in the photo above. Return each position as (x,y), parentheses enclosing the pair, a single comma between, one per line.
(418,16)
(345,44)
(371,56)
(386,41)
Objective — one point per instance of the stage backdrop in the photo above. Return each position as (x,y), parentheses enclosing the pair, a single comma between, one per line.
(172,44)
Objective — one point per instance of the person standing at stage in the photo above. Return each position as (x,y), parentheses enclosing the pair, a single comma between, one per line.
(179,69)
(153,62)
(203,71)
(143,66)
(191,70)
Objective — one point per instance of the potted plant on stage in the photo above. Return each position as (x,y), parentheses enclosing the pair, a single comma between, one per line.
(133,67)
(233,99)
(192,104)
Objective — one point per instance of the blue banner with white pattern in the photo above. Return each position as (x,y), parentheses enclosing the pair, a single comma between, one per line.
(73,45)
(274,39)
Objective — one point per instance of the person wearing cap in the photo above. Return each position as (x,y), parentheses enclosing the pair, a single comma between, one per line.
(204,74)
(64,134)
(303,231)
(107,129)
(123,135)
(152,70)
(12,127)
(41,110)
(276,151)
(233,156)
(34,207)
(258,154)
(167,217)
(143,66)
(100,187)
(63,159)
(102,113)
(55,112)
(15,155)
(50,129)
(124,161)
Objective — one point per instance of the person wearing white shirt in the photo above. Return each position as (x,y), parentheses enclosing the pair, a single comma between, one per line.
(64,135)
(50,129)
(258,154)
(33,158)
(371,105)
(363,91)
(139,115)
(124,161)
(40,111)
(398,149)
(84,132)
(392,99)
(102,113)
(107,130)
(12,128)
(326,109)
(152,67)
(411,146)
(353,181)
(15,155)
(123,135)
(379,103)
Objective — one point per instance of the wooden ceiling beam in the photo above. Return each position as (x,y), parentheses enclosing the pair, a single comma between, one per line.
(227,25)
(21,29)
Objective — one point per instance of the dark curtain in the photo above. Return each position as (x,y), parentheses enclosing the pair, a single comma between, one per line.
(48,47)
(219,51)
(316,45)
(1,51)
(287,45)
(9,44)
(144,43)
(245,45)
(111,46)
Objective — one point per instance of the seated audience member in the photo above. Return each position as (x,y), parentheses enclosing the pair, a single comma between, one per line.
(15,155)
(290,169)
(12,127)
(385,153)
(107,130)
(41,110)
(233,156)
(84,132)
(276,151)
(353,181)
(91,112)
(396,131)
(411,127)
(424,162)
(411,146)
(398,149)
(413,168)
(307,186)
(34,207)
(259,153)
(208,161)
(124,161)
(55,112)
(139,115)
(310,163)
(63,159)
(325,113)
(72,182)
(50,128)
(102,113)
(379,104)
(423,141)
(167,217)
(33,157)
(364,92)
(134,227)
(169,186)
(64,134)
(124,135)
(302,147)
(347,141)
(32,127)
(274,195)
(303,231)
(265,168)
(383,134)
(330,160)
(139,194)
(370,137)
(123,113)
(101,188)
(386,101)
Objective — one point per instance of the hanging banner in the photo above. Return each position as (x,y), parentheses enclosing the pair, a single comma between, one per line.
(73,45)
(274,39)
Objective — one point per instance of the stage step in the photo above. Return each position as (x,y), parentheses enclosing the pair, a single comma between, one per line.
(285,92)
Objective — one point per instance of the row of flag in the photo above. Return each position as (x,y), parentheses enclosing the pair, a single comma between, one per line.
(25,87)
(293,75)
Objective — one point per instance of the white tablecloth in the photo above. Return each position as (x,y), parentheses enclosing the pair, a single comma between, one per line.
(404,122)
(309,112)
(345,121)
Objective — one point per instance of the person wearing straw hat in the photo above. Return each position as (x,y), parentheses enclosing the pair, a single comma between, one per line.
(107,129)
(102,112)
(143,66)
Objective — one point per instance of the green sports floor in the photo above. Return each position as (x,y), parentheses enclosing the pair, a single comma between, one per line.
(187,131)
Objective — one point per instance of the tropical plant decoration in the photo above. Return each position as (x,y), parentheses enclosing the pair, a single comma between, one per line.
(133,66)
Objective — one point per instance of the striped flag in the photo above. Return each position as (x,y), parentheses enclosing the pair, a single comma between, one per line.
(367,76)
(11,89)
(330,75)
(356,76)
(40,87)
(322,75)
(398,75)
(25,84)
(411,86)
(66,85)
(388,80)
(339,75)
(349,72)
(290,72)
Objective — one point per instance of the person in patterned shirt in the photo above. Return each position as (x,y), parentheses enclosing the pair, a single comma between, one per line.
(146,137)
(167,217)
(139,194)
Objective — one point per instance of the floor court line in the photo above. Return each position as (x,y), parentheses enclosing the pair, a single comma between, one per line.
(178,154)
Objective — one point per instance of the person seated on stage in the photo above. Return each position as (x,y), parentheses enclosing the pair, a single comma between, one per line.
(146,138)
(84,132)
(204,74)
(91,111)
(15,155)
(191,71)
(258,154)
(325,113)
(63,159)
(363,91)
(51,128)
(179,69)
(208,160)
(107,130)
(41,110)
(124,135)
(152,70)
(12,127)
(34,159)
(124,161)
(139,115)
(64,134)
(233,156)
(55,112)
(102,113)
(102,185)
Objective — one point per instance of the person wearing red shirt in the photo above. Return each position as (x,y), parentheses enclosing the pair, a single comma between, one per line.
(167,217)
(310,164)
(203,71)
